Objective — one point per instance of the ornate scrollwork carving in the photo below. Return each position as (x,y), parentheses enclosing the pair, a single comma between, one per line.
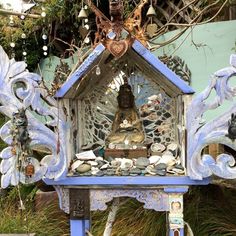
(152,199)
(21,89)
(215,131)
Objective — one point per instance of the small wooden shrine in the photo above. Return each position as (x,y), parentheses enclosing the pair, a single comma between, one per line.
(122,125)
(152,123)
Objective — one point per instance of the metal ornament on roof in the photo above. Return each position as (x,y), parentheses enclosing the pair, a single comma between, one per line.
(21,89)
(132,26)
(215,131)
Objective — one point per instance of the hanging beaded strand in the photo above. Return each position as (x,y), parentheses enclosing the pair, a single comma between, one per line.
(23,37)
(12,43)
(44,35)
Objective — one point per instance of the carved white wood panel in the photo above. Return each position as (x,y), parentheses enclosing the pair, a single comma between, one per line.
(46,126)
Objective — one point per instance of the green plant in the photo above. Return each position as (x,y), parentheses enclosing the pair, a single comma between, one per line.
(44,222)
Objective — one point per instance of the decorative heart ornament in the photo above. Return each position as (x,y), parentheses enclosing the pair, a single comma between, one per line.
(83,31)
(118,48)
(151,30)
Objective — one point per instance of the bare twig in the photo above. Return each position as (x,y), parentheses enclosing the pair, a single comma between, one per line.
(193,23)
(7,13)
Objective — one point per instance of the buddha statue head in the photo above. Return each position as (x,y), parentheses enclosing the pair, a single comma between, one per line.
(125,96)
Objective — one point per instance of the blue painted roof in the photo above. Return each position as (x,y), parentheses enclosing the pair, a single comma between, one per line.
(81,71)
(161,67)
(142,52)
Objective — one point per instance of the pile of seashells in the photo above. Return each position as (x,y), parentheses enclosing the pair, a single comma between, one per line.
(162,161)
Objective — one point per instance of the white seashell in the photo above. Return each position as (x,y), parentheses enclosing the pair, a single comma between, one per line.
(126,163)
(178,171)
(167,153)
(149,169)
(99,159)
(76,164)
(93,163)
(105,166)
(111,146)
(94,170)
(85,156)
(157,147)
(154,159)
(172,147)
(169,160)
(153,97)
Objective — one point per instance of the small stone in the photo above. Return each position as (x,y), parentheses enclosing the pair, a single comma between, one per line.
(179,166)
(99,173)
(87,173)
(161,172)
(143,172)
(83,168)
(140,167)
(135,171)
(161,166)
(125,173)
(142,161)
(109,172)
(154,159)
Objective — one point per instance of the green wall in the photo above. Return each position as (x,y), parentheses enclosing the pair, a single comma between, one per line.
(216,43)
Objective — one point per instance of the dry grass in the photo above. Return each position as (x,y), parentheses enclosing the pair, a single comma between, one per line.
(210,211)
(44,222)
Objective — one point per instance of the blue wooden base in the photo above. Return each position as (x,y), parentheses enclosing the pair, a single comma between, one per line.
(117,181)
(169,184)
(173,233)
(79,227)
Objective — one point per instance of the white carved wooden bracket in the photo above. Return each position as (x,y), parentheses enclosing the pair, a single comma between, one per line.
(155,199)
(215,131)
(21,89)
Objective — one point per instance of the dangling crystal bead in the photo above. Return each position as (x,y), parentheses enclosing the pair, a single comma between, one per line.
(98,70)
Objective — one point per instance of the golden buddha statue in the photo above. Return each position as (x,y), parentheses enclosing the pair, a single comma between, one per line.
(127,128)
